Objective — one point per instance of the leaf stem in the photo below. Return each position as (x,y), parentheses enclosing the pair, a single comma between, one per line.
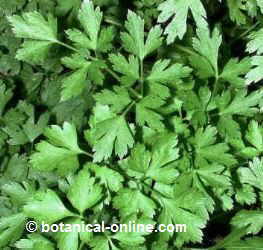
(92,57)
(215,85)
(111,21)
(135,93)
(67,46)
(141,77)
(81,245)
(246,32)
(185,49)
(88,154)
(114,75)
(153,190)
(128,108)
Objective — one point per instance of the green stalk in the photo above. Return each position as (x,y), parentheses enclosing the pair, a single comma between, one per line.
(185,49)
(113,74)
(246,32)
(128,108)
(215,85)
(141,77)
(87,154)
(67,46)
(135,93)
(111,21)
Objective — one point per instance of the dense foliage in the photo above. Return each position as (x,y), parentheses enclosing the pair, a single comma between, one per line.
(146,111)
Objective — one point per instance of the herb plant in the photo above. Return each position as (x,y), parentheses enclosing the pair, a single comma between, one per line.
(145,111)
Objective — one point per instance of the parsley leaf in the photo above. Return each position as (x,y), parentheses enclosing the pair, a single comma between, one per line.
(110,135)
(250,219)
(11,228)
(253,174)
(129,68)
(59,152)
(133,41)
(178,10)
(208,46)
(93,192)
(42,32)
(46,206)
(130,201)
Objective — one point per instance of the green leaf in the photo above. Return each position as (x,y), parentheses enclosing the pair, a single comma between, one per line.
(59,152)
(34,52)
(51,158)
(17,168)
(255,74)
(155,164)
(69,240)
(33,25)
(100,243)
(95,71)
(111,135)
(172,132)
(79,39)
(128,68)
(105,39)
(207,150)
(208,46)
(11,228)
(137,164)
(65,137)
(129,201)
(84,200)
(133,41)
(178,11)
(19,193)
(90,19)
(236,9)
(129,239)
(34,129)
(36,242)
(164,152)
(46,206)
(202,65)
(71,6)
(251,220)
(163,74)
(230,240)
(11,7)
(109,177)
(95,38)
(246,195)
(74,84)
(197,105)
(242,103)
(42,32)
(247,244)
(117,99)
(229,128)
(260,5)
(255,135)
(133,239)
(214,176)
(234,71)
(28,129)
(252,175)
(100,113)
(254,45)
(174,212)
(5,96)
(146,112)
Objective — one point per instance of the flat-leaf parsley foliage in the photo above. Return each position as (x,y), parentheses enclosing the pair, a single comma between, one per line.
(143,111)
